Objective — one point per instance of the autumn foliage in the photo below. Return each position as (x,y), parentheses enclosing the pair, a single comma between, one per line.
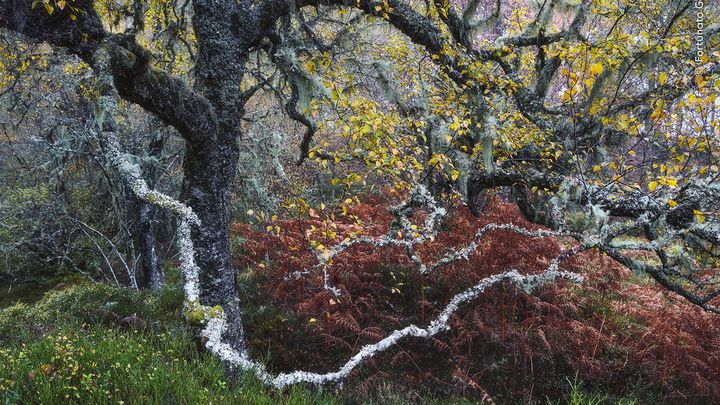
(618,332)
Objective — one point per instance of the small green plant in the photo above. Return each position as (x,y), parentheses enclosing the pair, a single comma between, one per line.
(577,396)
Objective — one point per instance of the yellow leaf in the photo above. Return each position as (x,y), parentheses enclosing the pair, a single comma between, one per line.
(672,203)
(312,320)
(653,185)
(597,168)
(657,113)
(699,216)
(662,78)
(455,175)
(596,68)
(566,96)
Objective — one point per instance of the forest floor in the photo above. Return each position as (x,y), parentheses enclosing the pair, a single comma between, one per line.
(93,343)
(616,339)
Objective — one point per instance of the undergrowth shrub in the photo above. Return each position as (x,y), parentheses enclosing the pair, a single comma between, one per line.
(616,335)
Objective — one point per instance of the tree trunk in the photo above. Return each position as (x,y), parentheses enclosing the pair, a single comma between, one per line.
(211,161)
(209,174)
(153,277)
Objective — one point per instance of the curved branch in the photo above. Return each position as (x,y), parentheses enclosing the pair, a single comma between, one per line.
(216,322)
(659,274)
(158,92)
(310,127)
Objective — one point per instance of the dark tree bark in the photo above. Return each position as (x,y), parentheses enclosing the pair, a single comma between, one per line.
(209,175)
(210,165)
(152,274)
(153,277)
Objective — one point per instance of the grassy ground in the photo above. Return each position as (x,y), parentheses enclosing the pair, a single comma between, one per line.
(72,346)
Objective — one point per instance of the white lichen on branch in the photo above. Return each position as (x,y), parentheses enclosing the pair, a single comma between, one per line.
(409,235)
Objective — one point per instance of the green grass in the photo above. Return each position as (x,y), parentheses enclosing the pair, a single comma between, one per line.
(65,348)
(26,293)
(68,347)
(92,364)
(577,396)
(99,304)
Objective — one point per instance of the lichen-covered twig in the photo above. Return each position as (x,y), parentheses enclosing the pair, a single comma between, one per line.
(409,235)
(105,131)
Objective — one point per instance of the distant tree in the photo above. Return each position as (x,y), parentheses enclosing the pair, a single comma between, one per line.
(63,210)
